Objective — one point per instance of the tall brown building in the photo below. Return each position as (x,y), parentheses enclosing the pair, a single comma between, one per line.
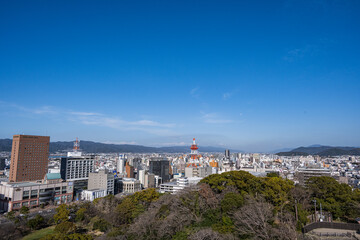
(129,170)
(29,158)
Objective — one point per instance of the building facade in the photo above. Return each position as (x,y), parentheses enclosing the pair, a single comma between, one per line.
(196,171)
(304,174)
(77,168)
(32,194)
(130,185)
(29,158)
(91,195)
(102,180)
(160,167)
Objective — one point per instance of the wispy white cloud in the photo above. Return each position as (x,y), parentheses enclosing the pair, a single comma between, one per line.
(169,144)
(298,53)
(95,119)
(85,113)
(214,118)
(101,120)
(36,111)
(195,92)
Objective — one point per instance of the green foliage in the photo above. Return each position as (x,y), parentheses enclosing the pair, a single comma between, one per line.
(231,201)
(339,199)
(39,234)
(115,232)
(24,210)
(272,174)
(129,209)
(132,206)
(36,223)
(11,215)
(146,196)
(62,214)
(276,190)
(302,217)
(243,181)
(80,215)
(180,236)
(225,226)
(65,228)
(101,225)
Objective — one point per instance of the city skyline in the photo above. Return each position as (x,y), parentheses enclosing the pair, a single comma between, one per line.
(234,75)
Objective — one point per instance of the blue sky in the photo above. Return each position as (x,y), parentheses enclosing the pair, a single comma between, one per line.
(248,75)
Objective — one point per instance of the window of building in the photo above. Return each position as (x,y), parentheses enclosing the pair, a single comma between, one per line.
(34,193)
(16,205)
(25,194)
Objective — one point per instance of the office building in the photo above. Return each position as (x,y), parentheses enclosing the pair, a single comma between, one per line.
(29,158)
(120,164)
(102,180)
(129,170)
(160,167)
(227,154)
(141,176)
(149,180)
(196,171)
(77,168)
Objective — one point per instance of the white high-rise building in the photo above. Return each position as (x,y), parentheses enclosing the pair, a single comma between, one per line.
(141,174)
(120,164)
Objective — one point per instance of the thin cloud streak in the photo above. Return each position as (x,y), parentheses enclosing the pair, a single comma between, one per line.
(97,119)
(214,118)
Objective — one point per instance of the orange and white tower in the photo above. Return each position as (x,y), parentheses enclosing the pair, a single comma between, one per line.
(76,150)
(194,151)
(76,145)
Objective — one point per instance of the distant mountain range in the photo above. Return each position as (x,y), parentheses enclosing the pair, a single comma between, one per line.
(321,151)
(96,147)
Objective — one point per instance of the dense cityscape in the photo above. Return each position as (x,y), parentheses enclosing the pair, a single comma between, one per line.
(32,179)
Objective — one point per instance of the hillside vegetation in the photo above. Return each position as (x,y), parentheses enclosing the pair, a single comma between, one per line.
(231,205)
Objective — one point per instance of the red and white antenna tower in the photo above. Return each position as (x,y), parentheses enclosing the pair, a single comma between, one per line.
(76,145)
(194,150)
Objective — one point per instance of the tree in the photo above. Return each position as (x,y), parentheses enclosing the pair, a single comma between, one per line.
(24,210)
(36,223)
(65,228)
(231,201)
(101,225)
(80,214)
(62,214)
(272,174)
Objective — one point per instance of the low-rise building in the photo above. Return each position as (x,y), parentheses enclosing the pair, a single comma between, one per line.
(304,174)
(91,195)
(130,185)
(31,194)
